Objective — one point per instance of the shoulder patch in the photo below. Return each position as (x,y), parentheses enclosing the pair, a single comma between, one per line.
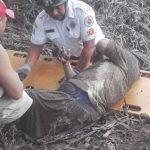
(88,21)
(91,31)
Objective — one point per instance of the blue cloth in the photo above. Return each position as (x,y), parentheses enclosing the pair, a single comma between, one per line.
(81,96)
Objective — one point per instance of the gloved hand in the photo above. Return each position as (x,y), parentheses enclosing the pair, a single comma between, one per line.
(24,71)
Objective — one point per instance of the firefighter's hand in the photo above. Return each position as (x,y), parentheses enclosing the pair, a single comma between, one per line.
(24,71)
(63,55)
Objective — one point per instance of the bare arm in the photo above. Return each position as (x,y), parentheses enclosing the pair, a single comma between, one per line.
(86,55)
(34,54)
(69,72)
(9,79)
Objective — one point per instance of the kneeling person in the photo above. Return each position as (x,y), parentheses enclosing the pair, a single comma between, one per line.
(14,101)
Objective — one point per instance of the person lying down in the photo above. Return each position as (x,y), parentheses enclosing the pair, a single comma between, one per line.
(82,98)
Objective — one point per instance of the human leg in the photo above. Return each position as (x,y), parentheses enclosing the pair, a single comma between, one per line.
(125,60)
(11,109)
(128,67)
(121,57)
(52,112)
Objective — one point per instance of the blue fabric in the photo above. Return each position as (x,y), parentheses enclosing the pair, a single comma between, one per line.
(81,96)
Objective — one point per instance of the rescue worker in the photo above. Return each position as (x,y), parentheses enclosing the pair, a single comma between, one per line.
(14,101)
(67,23)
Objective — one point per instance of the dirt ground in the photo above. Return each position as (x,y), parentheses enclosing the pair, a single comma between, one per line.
(127,21)
(116,131)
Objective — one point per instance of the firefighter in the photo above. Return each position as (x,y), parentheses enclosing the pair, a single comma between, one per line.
(67,23)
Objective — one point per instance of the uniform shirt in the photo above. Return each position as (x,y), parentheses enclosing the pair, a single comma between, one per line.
(78,26)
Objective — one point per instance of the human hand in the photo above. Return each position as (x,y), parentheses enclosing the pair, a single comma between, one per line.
(63,55)
(24,71)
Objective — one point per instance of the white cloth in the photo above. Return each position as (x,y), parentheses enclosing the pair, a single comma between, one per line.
(78,26)
(1,47)
(11,109)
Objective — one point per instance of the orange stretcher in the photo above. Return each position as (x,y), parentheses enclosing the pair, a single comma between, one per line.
(45,74)
(48,71)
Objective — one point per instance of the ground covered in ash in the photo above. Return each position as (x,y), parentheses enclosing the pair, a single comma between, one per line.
(127,21)
(116,131)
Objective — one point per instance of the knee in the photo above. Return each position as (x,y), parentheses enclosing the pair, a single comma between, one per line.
(102,44)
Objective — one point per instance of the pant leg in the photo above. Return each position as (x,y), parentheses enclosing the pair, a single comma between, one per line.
(11,109)
(122,58)
(54,112)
